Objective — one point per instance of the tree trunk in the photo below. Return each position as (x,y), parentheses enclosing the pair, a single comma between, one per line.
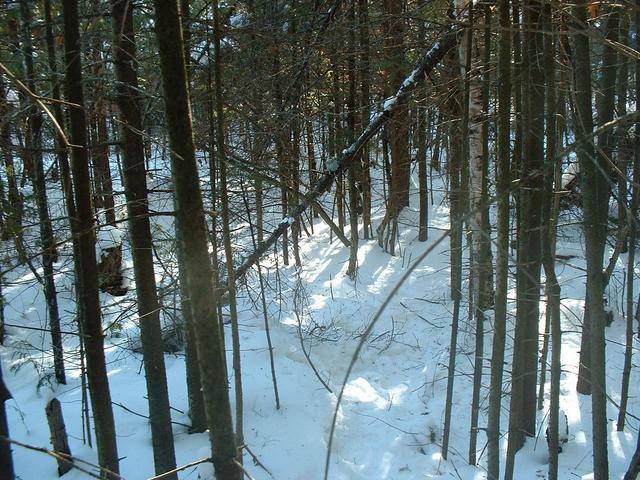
(595,201)
(6,459)
(140,236)
(103,194)
(14,216)
(364,72)
(633,236)
(522,415)
(191,228)
(503,181)
(61,152)
(551,208)
(352,268)
(226,232)
(455,158)
(89,308)
(34,152)
(59,440)
(397,130)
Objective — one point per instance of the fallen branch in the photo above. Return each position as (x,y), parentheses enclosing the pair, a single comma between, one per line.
(72,461)
(127,409)
(337,166)
(179,469)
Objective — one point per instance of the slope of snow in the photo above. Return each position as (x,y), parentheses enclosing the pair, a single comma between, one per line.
(389,424)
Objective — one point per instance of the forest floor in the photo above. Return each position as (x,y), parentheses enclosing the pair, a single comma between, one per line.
(389,424)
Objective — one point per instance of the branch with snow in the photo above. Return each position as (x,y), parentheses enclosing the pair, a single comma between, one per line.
(338,165)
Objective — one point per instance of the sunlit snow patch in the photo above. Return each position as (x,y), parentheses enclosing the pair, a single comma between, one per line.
(360,390)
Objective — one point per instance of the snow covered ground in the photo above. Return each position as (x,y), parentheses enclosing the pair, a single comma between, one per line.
(389,424)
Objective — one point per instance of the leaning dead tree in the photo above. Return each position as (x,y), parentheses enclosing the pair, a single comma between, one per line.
(337,166)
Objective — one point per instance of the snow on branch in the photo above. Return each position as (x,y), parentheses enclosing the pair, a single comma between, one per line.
(338,165)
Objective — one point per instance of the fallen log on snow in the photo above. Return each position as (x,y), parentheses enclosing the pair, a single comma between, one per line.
(337,166)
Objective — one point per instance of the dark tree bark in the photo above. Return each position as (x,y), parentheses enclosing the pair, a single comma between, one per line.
(192,235)
(522,415)
(398,129)
(354,202)
(633,236)
(89,307)
(197,412)
(226,231)
(62,156)
(134,171)
(59,440)
(14,214)
(103,184)
(365,81)
(595,197)
(6,459)
(34,152)
(454,110)
(503,180)
(550,211)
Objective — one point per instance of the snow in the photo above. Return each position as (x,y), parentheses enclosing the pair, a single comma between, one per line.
(389,103)
(108,236)
(570,173)
(390,419)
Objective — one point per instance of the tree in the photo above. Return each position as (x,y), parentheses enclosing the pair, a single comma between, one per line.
(89,306)
(595,196)
(503,179)
(226,230)
(34,153)
(397,131)
(522,414)
(191,231)
(6,459)
(134,171)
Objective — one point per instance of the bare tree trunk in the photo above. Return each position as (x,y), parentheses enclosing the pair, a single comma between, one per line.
(352,268)
(140,237)
(550,211)
(6,459)
(397,130)
(226,232)
(595,198)
(34,152)
(522,415)
(364,71)
(633,236)
(455,159)
(191,227)
(103,194)
(503,181)
(62,156)
(89,311)
(59,440)
(13,222)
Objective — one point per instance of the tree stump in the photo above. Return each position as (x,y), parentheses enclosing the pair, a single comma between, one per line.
(59,436)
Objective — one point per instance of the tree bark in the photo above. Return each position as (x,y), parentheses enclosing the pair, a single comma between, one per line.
(59,440)
(14,216)
(191,228)
(89,308)
(522,415)
(34,152)
(503,181)
(134,171)
(6,459)
(595,196)
(226,232)
(397,130)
